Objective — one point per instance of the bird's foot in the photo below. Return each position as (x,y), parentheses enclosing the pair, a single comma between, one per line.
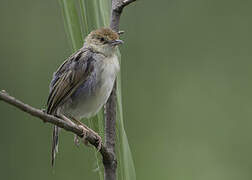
(76,140)
(66,119)
(86,130)
(99,139)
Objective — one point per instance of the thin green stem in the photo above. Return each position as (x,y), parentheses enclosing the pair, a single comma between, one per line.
(72,23)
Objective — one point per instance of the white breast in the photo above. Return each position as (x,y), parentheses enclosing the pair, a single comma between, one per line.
(88,106)
(108,75)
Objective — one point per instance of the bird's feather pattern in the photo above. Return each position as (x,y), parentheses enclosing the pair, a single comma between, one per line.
(70,75)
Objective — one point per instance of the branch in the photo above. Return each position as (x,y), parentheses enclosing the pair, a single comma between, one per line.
(46,118)
(117,8)
(110,107)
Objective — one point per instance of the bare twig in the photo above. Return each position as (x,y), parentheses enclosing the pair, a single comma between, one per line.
(117,8)
(110,108)
(92,139)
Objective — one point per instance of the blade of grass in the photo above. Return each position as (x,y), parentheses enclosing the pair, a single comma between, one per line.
(126,168)
(72,23)
(83,13)
(104,8)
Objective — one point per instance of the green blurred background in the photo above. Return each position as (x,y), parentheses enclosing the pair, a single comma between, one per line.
(186,85)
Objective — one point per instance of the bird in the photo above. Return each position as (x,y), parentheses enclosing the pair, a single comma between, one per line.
(83,83)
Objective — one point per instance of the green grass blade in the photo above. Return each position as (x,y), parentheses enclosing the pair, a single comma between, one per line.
(104,8)
(83,13)
(126,168)
(72,23)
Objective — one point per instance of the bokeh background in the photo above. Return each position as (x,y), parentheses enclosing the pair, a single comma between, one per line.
(186,78)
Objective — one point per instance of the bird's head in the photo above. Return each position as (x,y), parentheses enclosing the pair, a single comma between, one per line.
(103,40)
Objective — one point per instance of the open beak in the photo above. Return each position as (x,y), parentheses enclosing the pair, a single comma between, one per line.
(116,42)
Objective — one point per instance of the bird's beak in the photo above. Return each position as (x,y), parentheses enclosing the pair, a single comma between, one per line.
(116,42)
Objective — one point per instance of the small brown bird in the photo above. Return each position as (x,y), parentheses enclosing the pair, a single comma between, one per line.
(83,83)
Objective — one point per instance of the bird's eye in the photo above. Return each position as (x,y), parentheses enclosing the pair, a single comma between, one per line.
(102,39)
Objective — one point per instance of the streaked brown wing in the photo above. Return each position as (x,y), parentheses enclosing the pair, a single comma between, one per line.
(70,75)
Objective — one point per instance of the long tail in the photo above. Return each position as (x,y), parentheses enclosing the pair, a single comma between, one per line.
(55,142)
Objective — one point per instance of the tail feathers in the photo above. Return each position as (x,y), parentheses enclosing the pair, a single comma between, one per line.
(55,142)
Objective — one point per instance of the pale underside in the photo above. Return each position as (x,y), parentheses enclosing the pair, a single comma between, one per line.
(94,93)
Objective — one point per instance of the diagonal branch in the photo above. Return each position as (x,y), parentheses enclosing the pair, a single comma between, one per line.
(4,96)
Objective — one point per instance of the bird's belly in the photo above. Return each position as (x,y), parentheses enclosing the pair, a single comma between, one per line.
(91,96)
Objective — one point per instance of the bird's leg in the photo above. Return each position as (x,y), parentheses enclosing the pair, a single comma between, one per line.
(76,140)
(86,129)
(84,138)
(66,119)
